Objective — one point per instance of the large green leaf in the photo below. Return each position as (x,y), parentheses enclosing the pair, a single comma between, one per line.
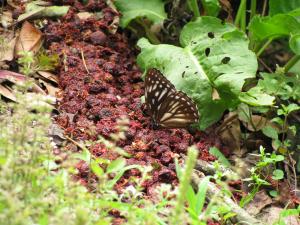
(280,25)
(214,58)
(282,6)
(131,9)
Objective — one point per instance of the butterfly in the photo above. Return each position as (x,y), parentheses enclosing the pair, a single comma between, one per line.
(168,107)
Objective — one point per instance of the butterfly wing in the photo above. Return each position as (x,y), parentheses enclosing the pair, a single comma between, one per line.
(157,89)
(168,107)
(177,111)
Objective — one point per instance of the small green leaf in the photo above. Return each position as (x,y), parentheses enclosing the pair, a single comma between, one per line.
(85,155)
(256,97)
(277,120)
(222,159)
(295,43)
(280,85)
(278,174)
(278,158)
(43,219)
(276,143)
(191,199)
(116,165)
(270,132)
(201,194)
(290,212)
(119,173)
(229,215)
(291,108)
(293,129)
(97,169)
(132,9)
(2,160)
(50,165)
(273,193)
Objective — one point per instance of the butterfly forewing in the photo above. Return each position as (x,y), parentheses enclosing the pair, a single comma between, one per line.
(157,89)
(168,107)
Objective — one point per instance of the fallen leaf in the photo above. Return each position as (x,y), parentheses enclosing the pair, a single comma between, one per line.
(252,122)
(7,93)
(37,89)
(260,201)
(13,77)
(255,123)
(227,8)
(41,9)
(57,134)
(272,214)
(30,39)
(7,49)
(13,4)
(19,79)
(31,14)
(3,65)
(50,88)
(84,15)
(49,76)
(6,19)
(113,27)
(230,133)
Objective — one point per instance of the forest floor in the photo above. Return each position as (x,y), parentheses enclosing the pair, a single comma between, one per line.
(107,85)
(98,86)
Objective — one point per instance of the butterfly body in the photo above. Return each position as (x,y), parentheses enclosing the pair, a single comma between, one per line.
(168,107)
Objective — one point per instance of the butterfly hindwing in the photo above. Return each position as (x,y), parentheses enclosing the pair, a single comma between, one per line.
(168,107)
(177,111)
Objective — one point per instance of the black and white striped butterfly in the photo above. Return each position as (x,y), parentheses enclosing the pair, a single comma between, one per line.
(168,107)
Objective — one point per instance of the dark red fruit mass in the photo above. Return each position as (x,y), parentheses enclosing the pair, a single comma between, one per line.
(101,83)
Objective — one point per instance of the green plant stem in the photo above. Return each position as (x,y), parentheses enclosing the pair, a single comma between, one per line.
(291,63)
(261,49)
(193,5)
(241,14)
(253,9)
(264,8)
(184,184)
(243,18)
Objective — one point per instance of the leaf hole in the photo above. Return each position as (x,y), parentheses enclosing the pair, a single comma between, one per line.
(225,60)
(211,35)
(207,51)
(183,73)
